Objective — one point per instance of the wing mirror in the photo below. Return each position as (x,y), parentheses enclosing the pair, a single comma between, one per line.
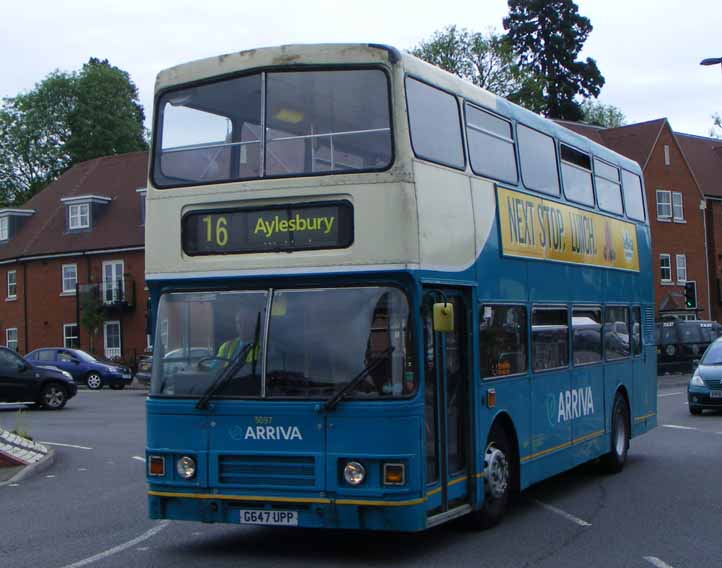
(443,317)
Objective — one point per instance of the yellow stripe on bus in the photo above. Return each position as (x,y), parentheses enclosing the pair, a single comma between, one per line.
(645,417)
(579,440)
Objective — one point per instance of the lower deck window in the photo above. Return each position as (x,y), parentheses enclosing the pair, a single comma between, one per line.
(502,340)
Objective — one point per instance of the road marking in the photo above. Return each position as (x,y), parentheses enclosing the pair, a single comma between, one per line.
(121,547)
(676,427)
(49,476)
(670,394)
(14,485)
(567,516)
(657,562)
(139,458)
(66,445)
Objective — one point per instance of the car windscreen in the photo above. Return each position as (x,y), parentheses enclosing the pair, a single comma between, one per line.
(713,355)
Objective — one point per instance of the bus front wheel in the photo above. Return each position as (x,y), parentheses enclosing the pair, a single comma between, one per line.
(614,461)
(498,468)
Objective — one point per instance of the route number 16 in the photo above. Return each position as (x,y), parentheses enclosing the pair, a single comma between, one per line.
(217,234)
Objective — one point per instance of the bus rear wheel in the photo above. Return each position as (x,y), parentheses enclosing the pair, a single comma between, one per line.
(498,475)
(614,461)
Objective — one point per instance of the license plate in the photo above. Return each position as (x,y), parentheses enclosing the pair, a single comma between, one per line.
(126,375)
(276,518)
(715,394)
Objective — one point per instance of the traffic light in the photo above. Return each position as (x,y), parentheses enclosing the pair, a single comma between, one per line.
(690,294)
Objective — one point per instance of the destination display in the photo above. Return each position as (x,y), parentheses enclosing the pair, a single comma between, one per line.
(537,228)
(295,227)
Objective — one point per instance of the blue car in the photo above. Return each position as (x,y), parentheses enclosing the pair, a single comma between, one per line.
(84,367)
(705,386)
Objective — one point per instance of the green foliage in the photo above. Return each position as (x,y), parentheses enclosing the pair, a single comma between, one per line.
(107,119)
(547,36)
(598,114)
(65,119)
(92,313)
(485,60)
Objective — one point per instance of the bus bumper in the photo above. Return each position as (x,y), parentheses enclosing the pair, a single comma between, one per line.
(407,517)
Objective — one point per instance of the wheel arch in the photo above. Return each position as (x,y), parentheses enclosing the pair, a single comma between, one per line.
(503,419)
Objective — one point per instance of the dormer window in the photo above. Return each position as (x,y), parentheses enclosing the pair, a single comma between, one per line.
(11,220)
(80,211)
(79,216)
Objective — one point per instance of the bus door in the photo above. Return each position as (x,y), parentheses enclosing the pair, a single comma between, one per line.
(447,421)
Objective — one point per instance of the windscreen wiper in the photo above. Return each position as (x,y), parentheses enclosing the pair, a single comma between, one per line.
(233,367)
(333,401)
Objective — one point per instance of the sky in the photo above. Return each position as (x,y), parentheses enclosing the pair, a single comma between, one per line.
(648,50)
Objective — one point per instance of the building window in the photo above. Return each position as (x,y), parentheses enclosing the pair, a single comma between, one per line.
(664,205)
(71,337)
(11,338)
(677,206)
(12,285)
(681,268)
(665,268)
(79,216)
(4,229)
(113,285)
(112,339)
(70,278)
(666,155)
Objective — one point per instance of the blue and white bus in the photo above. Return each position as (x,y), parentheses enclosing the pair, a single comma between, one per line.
(382,297)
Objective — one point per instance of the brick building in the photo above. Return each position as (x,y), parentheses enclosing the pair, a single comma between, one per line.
(677,212)
(76,250)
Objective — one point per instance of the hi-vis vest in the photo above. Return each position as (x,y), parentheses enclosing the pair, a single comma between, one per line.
(231,348)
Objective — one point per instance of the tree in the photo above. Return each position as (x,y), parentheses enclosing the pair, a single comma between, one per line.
(599,114)
(65,119)
(107,118)
(92,312)
(547,35)
(485,60)
(34,129)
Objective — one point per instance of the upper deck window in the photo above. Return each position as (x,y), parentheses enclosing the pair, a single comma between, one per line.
(633,200)
(274,124)
(435,124)
(609,191)
(577,175)
(538,160)
(491,145)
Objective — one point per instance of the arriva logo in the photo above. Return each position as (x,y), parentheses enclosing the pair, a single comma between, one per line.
(273,433)
(575,403)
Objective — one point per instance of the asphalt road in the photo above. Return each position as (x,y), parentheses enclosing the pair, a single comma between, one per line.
(89,508)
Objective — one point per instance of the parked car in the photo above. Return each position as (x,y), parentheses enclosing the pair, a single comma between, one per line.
(84,367)
(145,367)
(33,383)
(681,343)
(175,361)
(705,387)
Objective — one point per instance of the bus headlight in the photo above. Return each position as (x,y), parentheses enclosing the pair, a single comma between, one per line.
(354,473)
(186,467)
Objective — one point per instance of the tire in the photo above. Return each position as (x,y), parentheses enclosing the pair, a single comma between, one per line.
(53,396)
(614,461)
(94,381)
(696,410)
(499,473)
(117,386)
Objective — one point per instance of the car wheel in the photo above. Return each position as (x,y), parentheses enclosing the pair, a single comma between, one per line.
(117,386)
(614,461)
(696,410)
(53,396)
(94,381)
(498,475)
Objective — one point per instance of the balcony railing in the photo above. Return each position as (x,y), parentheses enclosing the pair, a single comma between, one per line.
(109,294)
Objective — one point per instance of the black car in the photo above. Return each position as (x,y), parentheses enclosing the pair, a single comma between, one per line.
(681,343)
(26,382)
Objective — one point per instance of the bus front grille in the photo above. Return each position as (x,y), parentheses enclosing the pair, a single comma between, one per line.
(274,471)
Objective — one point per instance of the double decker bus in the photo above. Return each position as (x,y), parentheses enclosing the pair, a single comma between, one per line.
(382,297)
